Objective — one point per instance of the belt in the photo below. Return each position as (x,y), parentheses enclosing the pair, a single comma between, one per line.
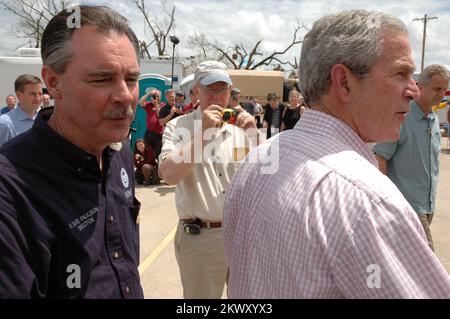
(203,223)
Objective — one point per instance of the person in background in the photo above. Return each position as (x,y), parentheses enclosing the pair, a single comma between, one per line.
(273,112)
(29,92)
(145,163)
(234,101)
(169,110)
(254,108)
(328,223)
(180,100)
(192,106)
(153,133)
(293,112)
(412,162)
(45,100)
(235,92)
(10,104)
(202,179)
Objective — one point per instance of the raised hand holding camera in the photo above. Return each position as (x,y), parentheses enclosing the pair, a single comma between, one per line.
(212,117)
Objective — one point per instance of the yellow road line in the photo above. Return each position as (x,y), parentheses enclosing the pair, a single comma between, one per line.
(156,252)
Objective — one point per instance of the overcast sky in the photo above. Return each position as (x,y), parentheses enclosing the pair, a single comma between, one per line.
(236,21)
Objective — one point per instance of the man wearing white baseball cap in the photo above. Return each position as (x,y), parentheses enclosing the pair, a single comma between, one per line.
(200,154)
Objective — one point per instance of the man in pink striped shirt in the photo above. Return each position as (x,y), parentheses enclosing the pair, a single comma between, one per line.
(327,223)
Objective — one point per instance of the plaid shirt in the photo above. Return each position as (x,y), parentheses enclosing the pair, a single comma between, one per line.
(327,224)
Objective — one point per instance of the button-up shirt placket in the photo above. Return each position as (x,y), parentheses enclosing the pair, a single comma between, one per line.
(114,243)
(434,146)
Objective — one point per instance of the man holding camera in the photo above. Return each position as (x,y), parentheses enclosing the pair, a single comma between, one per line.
(200,154)
(153,134)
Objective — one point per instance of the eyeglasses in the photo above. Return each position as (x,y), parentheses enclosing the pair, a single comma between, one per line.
(221,91)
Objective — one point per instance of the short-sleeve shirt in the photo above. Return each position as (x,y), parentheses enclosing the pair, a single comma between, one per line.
(413,160)
(165,111)
(68,229)
(13,123)
(202,193)
(152,119)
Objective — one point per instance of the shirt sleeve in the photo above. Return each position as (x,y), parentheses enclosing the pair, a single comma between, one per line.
(385,149)
(387,256)
(7,131)
(17,279)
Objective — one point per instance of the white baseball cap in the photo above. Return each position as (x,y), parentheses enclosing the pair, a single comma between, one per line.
(209,72)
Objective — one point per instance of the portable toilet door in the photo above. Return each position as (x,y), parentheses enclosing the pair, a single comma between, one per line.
(146,81)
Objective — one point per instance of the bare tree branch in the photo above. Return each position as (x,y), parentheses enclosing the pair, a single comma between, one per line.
(239,57)
(33,16)
(270,58)
(159,31)
(224,55)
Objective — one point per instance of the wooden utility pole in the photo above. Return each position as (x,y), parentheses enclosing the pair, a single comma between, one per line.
(424,19)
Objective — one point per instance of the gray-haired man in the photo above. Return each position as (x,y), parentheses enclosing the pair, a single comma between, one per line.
(329,224)
(412,162)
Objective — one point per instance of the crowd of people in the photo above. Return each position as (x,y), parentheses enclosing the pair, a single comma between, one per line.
(331,210)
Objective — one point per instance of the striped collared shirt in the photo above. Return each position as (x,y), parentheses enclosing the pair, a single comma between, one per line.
(326,224)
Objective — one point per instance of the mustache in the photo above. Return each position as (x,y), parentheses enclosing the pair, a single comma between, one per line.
(119,112)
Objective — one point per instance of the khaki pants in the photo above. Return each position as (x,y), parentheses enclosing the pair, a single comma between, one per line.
(202,263)
(426,219)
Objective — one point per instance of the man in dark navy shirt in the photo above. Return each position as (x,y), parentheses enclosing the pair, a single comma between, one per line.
(68,215)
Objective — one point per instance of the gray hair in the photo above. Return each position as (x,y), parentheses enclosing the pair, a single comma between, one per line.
(427,73)
(57,36)
(353,38)
(169,91)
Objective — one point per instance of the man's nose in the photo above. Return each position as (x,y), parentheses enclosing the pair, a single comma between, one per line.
(412,90)
(122,93)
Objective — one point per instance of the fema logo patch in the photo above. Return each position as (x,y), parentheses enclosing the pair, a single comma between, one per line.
(124,176)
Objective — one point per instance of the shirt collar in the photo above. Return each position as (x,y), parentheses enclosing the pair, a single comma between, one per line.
(417,113)
(82,161)
(320,123)
(20,113)
(198,113)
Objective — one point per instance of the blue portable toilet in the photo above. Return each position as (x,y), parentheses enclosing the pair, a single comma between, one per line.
(147,81)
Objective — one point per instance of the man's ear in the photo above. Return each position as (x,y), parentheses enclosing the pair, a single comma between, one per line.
(19,95)
(341,79)
(52,81)
(196,89)
(420,87)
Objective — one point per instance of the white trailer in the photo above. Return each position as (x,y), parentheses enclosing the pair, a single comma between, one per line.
(11,68)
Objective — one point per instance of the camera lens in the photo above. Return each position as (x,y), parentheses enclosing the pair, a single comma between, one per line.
(226,116)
